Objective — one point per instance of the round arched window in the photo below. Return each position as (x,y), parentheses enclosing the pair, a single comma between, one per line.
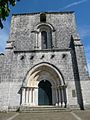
(44,39)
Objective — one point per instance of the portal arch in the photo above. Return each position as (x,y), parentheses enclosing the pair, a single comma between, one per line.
(32,74)
(40,72)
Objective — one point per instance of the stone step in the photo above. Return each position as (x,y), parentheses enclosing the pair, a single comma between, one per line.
(43,109)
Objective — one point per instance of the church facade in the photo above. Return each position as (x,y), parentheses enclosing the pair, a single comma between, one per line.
(44,63)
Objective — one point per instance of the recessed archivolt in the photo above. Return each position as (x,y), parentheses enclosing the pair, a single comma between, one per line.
(43,71)
(40,74)
(47,25)
(46,75)
(44,24)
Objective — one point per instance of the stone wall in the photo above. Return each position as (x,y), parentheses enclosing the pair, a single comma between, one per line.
(20,66)
(21,55)
(23,25)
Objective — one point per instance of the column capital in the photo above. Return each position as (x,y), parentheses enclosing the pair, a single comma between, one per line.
(31,87)
(62,86)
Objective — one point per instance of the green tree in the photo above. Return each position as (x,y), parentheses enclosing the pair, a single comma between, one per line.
(5,9)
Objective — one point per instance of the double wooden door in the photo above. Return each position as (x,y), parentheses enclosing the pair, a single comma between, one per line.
(44,93)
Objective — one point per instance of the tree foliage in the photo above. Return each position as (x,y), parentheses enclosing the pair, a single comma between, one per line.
(5,9)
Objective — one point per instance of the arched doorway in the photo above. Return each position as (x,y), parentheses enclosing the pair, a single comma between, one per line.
(44,85)
(44,93)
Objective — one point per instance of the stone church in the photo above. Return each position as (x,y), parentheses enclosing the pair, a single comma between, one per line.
(44,63)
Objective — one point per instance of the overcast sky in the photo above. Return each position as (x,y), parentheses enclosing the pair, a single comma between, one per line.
(81,8)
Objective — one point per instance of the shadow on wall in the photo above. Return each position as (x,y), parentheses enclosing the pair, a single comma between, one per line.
(20,93)
(76,75)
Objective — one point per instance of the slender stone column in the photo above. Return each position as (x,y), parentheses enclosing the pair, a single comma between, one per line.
(33,89)
(39,38)
(35,94)
(36,40)
(60,97)
(29,96)
(53,95)
(56,96)
(23,96)
(65,97)
(26,95)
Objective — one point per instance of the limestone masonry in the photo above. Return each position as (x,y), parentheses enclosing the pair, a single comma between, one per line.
(44,63)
